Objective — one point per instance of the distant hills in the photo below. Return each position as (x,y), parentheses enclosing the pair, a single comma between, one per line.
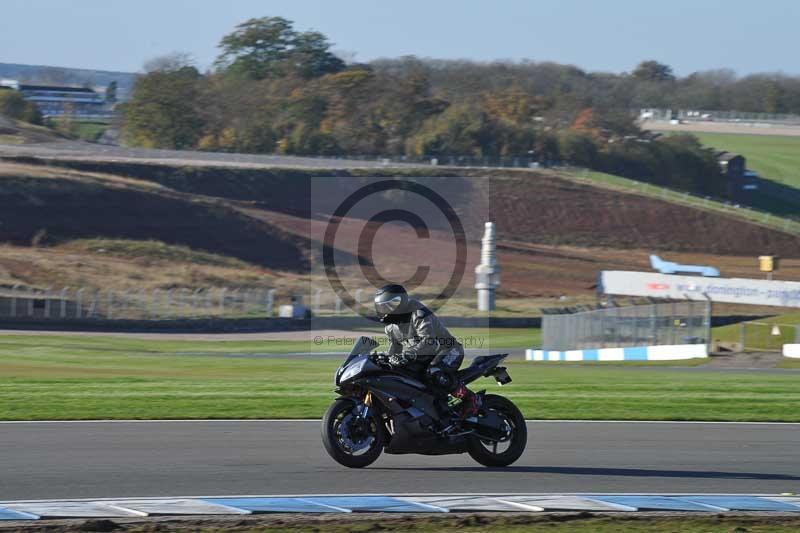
(48,75)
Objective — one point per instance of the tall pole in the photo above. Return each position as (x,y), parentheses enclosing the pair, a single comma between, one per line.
(487,273)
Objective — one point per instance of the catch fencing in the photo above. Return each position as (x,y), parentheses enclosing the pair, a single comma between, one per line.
(66,303)
(638,325)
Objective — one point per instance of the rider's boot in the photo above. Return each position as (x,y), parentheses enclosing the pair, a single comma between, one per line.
(469,401)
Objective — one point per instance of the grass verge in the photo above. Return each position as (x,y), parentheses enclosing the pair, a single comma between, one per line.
(775,157)
(789,363)
(766,334)
(113,378)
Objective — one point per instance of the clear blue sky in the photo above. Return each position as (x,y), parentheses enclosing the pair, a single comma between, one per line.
(612,35)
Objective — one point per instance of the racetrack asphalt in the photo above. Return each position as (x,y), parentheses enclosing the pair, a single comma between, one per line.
(49,460)
(84,151)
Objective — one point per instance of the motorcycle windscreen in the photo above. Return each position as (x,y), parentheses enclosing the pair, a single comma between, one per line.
(363,345)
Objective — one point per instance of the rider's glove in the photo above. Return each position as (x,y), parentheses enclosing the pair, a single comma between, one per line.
(401,359)
(381,358)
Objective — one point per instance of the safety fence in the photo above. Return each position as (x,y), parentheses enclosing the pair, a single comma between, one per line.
(175,303)
(639,325)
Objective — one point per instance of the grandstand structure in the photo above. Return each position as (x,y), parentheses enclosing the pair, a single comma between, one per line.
(62,100)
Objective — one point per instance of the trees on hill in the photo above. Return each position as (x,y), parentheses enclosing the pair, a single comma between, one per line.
(270,47)
(163,112)
(653,71)
(276,89)
(678,162)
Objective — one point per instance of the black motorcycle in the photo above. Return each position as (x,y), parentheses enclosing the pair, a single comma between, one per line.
(386,409)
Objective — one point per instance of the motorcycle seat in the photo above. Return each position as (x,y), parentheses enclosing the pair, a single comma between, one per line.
(478,365)
(483,359)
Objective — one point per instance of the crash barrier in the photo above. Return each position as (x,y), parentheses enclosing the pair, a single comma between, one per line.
(234,505)
(671,323)
(86,303)
(640,353)
(791,350)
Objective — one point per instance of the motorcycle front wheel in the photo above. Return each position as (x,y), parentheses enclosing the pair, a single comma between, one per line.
(503,452)
(350,440)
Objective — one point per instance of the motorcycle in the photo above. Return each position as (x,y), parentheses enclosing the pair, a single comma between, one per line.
(384,409)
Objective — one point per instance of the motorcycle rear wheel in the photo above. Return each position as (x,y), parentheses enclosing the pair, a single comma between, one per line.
(335,436)
(485,452)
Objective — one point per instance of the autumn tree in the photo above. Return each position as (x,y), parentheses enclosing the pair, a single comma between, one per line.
(163,110)
(578,148)
(267,47)
(653,71)
(13,105)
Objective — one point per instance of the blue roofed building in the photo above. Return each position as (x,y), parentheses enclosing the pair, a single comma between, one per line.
(56,101)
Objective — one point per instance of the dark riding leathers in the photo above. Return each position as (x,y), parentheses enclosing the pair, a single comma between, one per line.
(420,344)
(423,342)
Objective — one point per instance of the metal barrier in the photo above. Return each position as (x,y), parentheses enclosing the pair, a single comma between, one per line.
(158,304)
(65,303)
(639,325)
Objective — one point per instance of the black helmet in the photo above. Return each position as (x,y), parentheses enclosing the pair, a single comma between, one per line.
(391,304)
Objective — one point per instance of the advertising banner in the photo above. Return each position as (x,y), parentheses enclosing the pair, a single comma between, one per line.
(728,290)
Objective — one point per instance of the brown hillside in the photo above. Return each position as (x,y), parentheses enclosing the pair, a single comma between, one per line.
(50,206)
(529,269)
(536,207)
(18,132)
(557,211)
(554,235)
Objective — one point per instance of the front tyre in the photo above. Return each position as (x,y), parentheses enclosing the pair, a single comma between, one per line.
(503,452)
(351,441)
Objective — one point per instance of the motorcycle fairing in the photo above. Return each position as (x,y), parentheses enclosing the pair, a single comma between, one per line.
(410,404)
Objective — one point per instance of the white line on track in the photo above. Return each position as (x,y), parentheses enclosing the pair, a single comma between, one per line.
(404,495)
(317,421)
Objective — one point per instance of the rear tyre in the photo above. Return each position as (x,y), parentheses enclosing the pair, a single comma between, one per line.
(508,449)
(351,442)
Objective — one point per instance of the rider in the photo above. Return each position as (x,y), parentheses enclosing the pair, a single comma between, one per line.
(421,344)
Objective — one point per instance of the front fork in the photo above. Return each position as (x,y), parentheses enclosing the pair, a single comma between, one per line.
(362,411)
